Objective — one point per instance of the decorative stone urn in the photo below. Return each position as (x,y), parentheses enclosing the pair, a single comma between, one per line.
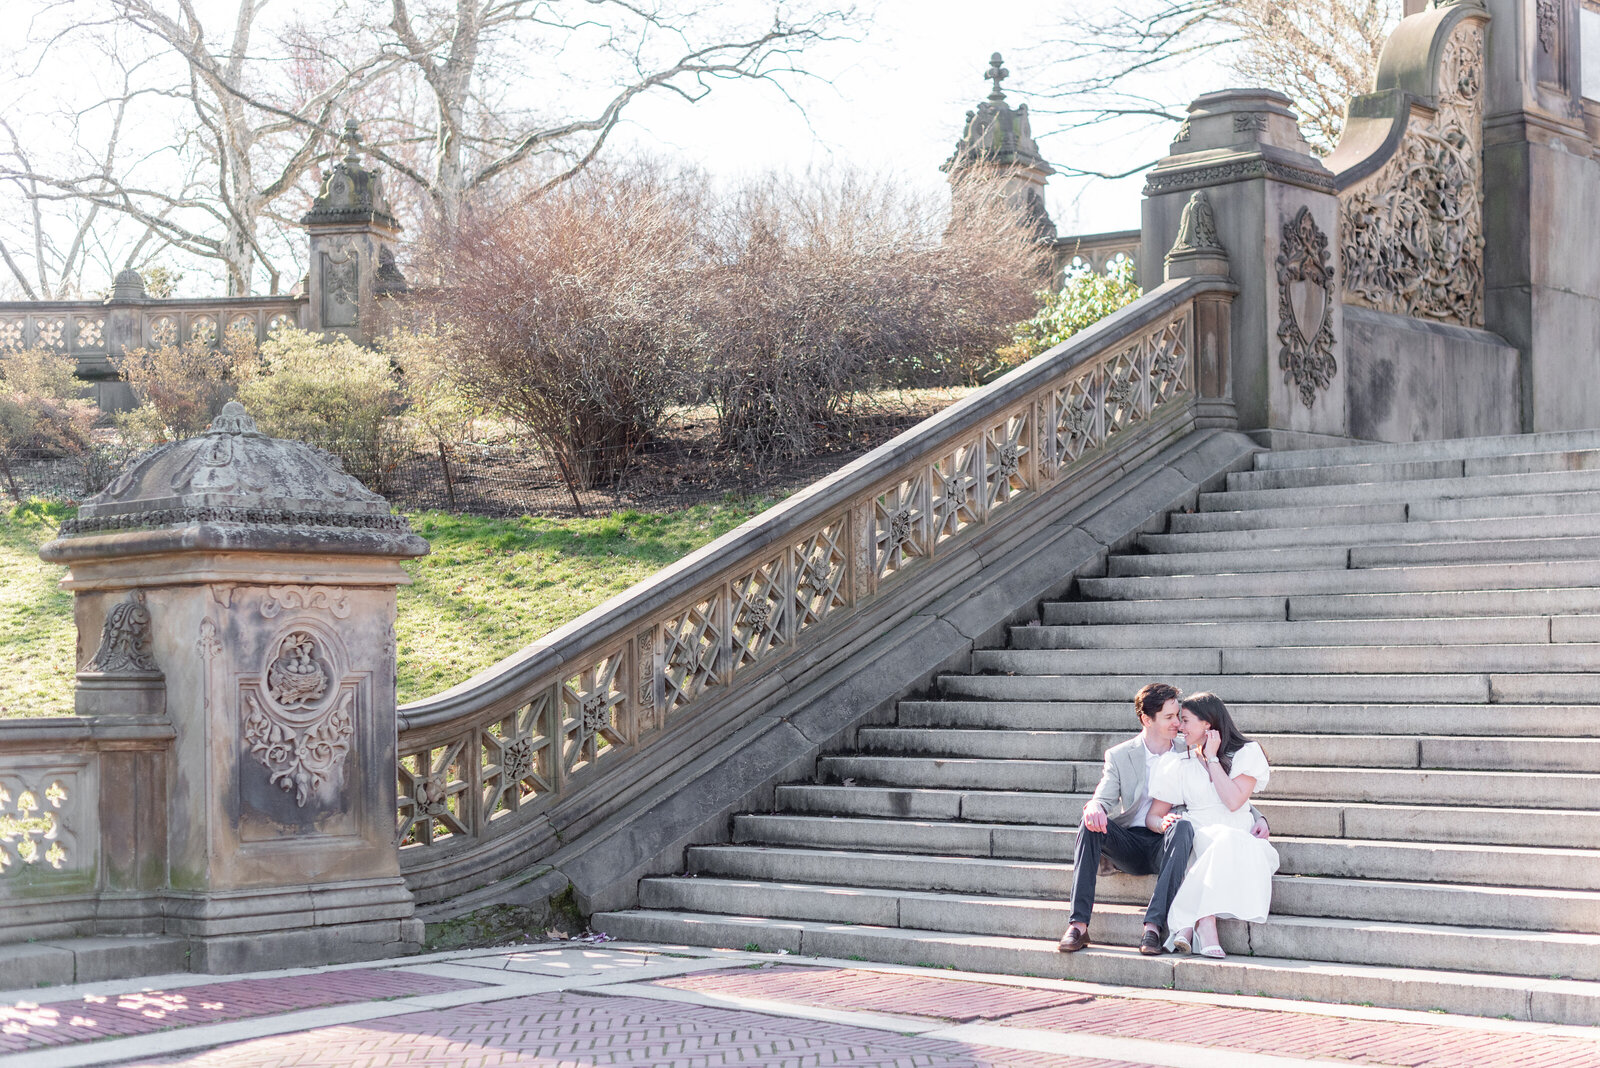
(256,580)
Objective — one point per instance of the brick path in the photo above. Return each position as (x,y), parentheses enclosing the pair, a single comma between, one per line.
(585,1007)
(1288,1034)
(28,1025)
(581,1030)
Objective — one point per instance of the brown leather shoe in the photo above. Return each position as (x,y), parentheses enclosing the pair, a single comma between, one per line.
(1073,940)
(1150,943)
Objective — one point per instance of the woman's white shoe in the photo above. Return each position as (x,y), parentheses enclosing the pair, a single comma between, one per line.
(1211,951)
(1181,941)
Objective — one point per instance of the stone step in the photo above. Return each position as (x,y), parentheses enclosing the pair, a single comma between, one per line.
(786,856)
(1410,491)
(1424,510)
(1517,630)
(1506,951)
(1449,449)
(1514,575)
(1555,526)
(1414,470)
(1308,750)
(1507,789)
(1439,604)
(1541,721)
(1559,828)
(1514,997)
(1248,689)
(1346,474)
(1495,864)
(1334,557)
(1558,657)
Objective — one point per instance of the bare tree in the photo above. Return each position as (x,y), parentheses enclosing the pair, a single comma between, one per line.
(1123,60)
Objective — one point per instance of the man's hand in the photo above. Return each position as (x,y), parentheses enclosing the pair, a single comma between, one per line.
(1094,818)
(1259,828)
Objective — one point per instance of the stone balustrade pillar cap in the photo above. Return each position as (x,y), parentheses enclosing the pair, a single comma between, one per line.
(234,488)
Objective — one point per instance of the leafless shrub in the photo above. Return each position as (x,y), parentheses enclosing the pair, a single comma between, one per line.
(567,312)
(42,410)
(816,292)
(181,388)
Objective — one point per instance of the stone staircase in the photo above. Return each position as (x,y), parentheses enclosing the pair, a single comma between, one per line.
(1411,631)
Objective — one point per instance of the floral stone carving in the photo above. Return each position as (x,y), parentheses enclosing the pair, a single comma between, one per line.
(125,640)
(296,728)
(1305,307)
(1413,230)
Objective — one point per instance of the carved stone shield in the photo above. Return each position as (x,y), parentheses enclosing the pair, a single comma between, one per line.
(1305,307)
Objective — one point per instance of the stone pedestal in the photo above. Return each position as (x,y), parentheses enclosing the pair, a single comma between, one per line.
(1277,217)
(265,578)
(352,231)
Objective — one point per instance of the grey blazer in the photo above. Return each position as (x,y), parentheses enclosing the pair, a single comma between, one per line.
(1122,780)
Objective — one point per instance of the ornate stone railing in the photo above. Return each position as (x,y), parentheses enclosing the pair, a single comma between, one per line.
(93,332)
(565,716)
(1096,252)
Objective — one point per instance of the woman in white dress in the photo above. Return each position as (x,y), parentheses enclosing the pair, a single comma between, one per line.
(1230,872)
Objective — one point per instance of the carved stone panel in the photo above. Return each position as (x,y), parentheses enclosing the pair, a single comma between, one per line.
(1305,307)
(1412,239)
(341,288)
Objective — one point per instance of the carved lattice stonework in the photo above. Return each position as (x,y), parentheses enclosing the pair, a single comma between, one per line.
(820,575)
(12,334)
(1007,448)
(760,618)
(91,333)
(1305,307)
(30,825)
(1077,418)
(242,327)
(1413,230)
(163,330)
(300,723)
(280,322)
(203,328)
(957,492)
(591,701)
(515,765)
(692,644)
(433,792)
(1123,383)
(900,524)
(50,333)
(1168,361)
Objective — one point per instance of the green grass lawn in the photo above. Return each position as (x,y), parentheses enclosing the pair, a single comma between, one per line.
(490,587)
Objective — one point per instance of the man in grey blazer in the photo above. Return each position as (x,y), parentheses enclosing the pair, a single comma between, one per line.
(1113,824)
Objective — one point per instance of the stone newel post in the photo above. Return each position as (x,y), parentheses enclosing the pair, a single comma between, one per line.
(257,581)
(352,230)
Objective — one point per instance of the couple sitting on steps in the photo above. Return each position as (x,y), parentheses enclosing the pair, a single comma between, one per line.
(1133,821)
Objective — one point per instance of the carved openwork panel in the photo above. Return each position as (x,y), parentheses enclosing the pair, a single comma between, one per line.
(516,758)
(1008,458)
(89,333)
(435,792)
(594,719)
(1168,349)
(692,648)
(242,326)
(1079,413)
(761,611)
(203,329)
(900,524)
(42,816)
(162,330)
(821,575)
(13,335)
(50,333)
(1126,399)
(1412,232)
(957,491)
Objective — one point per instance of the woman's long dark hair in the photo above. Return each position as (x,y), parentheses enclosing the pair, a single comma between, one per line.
(1209,707)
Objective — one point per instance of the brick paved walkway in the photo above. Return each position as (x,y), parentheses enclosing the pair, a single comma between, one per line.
(636,1007)
(29,1025)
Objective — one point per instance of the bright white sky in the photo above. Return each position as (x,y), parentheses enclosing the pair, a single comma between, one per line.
(897,104)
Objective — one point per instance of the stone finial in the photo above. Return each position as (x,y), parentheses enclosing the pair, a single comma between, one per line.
(353,193)
(233,419)
(351,140)
(129,285)
(996,74)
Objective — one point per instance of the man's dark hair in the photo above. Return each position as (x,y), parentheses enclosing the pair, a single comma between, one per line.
(1151,696)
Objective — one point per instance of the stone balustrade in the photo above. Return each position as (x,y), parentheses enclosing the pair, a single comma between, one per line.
(1095,252)
(499,768)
